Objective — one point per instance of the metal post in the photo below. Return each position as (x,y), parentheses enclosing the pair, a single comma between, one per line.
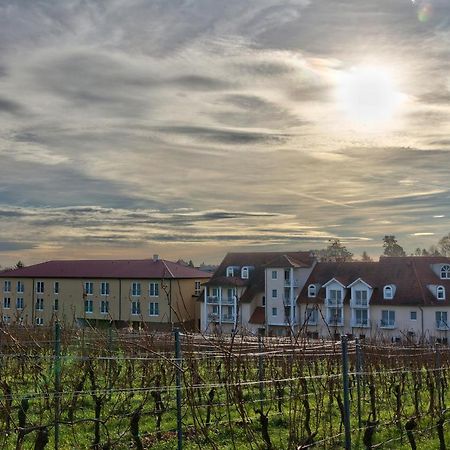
(358,379)
(178,362)
(261,372)
(437,365)
(344,343)
(57,368)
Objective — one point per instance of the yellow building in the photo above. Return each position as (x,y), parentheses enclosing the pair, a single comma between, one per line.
(154,293)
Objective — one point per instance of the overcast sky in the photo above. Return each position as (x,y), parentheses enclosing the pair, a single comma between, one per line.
(190,128)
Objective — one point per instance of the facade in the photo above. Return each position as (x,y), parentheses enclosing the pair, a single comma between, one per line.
(154,292)
(255,293)
(404,298)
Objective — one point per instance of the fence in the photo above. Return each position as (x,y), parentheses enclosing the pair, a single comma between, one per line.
(110,389)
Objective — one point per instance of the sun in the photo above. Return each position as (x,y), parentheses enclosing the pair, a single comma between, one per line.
(368,95)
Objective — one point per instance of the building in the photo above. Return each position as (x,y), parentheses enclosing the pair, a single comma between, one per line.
(154,292)
(255,293)
(397,298)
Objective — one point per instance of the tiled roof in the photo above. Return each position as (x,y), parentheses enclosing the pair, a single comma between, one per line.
(258,316)
(135,268)
(258,260)
(410,275)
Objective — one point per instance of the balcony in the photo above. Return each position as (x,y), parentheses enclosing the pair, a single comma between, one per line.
(228,318)
(360,323)
(390,324)
(335,322)
(358,303)
(293,283)
(213,317)
(334,302)
(442,325)
(227,300)
(213,299)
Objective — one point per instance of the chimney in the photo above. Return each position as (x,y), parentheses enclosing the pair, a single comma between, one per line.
(155,257)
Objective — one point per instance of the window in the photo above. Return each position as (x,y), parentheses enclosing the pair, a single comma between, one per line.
(335,295)
(361,298)
(361,317)
(445,272)
(197,287)
(55,304)
(7,286)
(39,304)
(20,287)
(312,291)
(88,287)
(136,308)
(311,316)
(56,287)
(388,318)
(104,288)
(6,302)
(7,319)
(413,315)
(136,289)
(89,306)
(441,319)
(440,293)
(19,303)
(104,306)
(39,321)
(335,316)
(231,294)
(274,311)
(230,271)
(274,274)
(263,300)
(388,293)
(40,287)
(244,273)
(154,309)
(153,290)
(274,293)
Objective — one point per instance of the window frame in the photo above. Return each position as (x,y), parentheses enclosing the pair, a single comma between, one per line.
(155,307)
(155,285)
(312,291)
(440,293)
(445,272)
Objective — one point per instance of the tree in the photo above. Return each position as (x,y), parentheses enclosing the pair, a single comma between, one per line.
(444,245)
(19,265)
(365,257)
(391,248)
(336,252)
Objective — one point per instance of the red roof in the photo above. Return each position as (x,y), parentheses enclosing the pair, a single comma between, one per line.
(110,268)
(259,316)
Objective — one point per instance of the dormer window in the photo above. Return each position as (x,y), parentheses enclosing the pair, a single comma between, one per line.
(244,273)
(230,271)
(440,293)
(312,291)
(445,272)
(388,293)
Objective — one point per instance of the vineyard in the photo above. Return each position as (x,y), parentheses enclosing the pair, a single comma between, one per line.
(110,389)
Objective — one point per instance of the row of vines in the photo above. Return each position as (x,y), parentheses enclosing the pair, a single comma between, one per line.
(118,390)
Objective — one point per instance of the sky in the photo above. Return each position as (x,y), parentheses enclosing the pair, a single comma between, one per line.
(189,128)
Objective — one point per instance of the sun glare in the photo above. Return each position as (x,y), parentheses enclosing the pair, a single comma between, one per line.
(368,96)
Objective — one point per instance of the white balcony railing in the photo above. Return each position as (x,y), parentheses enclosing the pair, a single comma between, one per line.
(213,317)
(228,300)
(387,324)
(358,303)
(228,318)
(335,321)
(293,283)
(334,302)
(360,323)
(213,299)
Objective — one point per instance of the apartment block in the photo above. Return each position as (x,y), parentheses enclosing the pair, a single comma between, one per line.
(154,292)
(404,298)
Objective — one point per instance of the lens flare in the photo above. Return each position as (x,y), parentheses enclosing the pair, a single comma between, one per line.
(425,12)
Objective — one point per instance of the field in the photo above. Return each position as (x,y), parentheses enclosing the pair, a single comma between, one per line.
(118,390)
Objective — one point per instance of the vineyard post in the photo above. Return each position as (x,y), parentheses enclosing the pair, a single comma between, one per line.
(358,379)
(57,369)
(110,354)
(178,362)
(345,382)
(437,365)
(261,372)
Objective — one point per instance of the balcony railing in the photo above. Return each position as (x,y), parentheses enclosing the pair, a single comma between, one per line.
(360,323)
(228,318)
(227,300)
(333,302)
(212,299)
(442,325)
(358,303)
(335,321)
(289,283)
(387,323)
